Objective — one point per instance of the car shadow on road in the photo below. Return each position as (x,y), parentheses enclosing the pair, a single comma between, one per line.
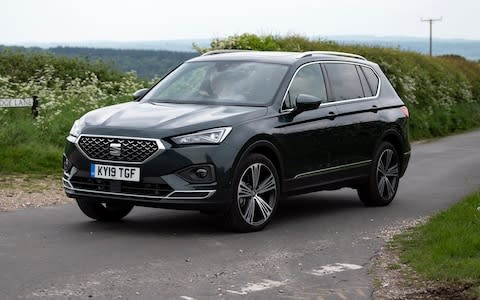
(317,204)
(293,210)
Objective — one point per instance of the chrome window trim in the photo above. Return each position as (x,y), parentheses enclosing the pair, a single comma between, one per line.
(68,186)
(333,102)
(160,145)
(334,169)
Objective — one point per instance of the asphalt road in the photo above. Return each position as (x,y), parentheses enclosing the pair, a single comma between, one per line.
(319,246)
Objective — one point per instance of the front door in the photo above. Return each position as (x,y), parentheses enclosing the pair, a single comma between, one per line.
(309,138)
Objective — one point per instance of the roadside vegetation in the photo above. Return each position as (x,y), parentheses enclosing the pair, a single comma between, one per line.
(67,88)
(446,249)
(442,93)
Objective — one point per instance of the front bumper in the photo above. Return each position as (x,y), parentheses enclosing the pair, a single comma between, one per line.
(160,184)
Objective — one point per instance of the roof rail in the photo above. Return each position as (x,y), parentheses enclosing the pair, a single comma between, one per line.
(213,52)
(345,54)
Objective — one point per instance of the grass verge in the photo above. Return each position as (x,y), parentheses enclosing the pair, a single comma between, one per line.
(446,249)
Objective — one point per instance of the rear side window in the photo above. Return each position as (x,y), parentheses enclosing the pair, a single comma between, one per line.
(309,81)
(344,81)
(372,79)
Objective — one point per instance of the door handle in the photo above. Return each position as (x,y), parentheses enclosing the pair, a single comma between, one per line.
(332,115)
(374,108)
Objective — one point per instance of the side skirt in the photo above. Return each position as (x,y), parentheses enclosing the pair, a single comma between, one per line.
(328,179)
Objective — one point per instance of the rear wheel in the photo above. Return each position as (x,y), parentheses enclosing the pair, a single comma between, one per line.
(384,177)
(107,212)
(256,194)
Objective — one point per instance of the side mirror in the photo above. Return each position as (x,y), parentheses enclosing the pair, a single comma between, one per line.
(139,94)
(307,102)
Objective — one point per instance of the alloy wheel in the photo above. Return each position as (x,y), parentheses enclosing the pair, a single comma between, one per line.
(387,174)
(256,194)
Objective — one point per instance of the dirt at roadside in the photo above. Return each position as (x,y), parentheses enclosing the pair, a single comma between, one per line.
(18,192)
(395,280)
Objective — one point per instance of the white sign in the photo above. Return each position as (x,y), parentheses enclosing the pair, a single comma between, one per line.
(16,102)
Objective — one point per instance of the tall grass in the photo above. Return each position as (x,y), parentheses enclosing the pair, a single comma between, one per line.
(446,248)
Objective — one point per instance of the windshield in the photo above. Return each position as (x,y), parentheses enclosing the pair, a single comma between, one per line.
(222,82)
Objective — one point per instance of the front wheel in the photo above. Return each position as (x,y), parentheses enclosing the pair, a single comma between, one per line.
(107,212)
(256,194)
(384,177)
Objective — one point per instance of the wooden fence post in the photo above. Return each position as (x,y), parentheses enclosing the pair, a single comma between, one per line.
(35,105)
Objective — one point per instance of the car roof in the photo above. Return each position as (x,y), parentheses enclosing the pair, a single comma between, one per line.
(277,56)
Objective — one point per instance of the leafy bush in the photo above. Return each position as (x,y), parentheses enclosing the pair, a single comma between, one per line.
(67,89)
(442,93)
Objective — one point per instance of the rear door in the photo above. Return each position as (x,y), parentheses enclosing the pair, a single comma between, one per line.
(356,97)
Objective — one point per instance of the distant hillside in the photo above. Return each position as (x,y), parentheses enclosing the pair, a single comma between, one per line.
(20,65)
(146,63)
(466,48)
(167,45)
(469,49)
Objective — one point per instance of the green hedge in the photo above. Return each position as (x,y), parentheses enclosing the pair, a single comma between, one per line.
(442,93)
(67,88)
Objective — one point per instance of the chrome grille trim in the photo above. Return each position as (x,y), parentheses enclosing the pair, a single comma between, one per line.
(204,194)
(146,157)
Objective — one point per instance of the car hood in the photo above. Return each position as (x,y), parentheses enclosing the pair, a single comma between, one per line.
(165,119)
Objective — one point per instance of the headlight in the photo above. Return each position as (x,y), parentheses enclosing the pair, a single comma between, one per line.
(76,130)
(210,136)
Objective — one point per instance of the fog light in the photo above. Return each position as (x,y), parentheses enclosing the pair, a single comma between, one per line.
(198,174)
(201,173)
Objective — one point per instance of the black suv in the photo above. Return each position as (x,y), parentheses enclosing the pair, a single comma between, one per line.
(231,132)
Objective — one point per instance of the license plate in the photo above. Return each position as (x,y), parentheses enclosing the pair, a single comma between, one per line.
(115,172)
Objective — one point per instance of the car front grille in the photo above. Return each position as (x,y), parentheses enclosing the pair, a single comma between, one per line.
(118,148)
(121,187)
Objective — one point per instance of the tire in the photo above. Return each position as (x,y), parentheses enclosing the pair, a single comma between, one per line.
(108,212)
(384,177)
(255,201)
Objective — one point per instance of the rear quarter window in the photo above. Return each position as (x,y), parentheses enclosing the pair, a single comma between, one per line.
(372,79)
(344,81)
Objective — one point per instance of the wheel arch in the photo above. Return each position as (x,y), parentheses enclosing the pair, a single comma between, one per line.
(264,146)
(395,138)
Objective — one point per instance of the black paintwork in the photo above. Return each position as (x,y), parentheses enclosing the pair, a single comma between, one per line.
(297,141)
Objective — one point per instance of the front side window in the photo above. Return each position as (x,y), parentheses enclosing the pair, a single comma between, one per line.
(222,82)
(309,81)
(344,81)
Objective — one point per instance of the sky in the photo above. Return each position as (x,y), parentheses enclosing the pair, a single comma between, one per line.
(47,21)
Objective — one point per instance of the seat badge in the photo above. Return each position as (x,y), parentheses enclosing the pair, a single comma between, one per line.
(115,149)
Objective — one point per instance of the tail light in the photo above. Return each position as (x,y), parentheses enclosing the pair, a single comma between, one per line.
(405,112)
